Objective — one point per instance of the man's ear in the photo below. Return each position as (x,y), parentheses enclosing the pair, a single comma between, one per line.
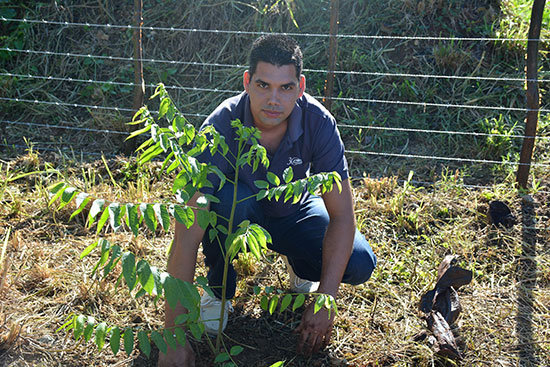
(246,80)
(302,85)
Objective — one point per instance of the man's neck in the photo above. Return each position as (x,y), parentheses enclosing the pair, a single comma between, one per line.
(272,137)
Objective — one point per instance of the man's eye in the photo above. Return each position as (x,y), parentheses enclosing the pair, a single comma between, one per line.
(262,85)
(287,87)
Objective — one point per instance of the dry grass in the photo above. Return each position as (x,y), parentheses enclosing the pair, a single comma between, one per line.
(505,318)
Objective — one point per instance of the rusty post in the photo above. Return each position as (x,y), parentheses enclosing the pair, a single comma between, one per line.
(332,50)
(532,94)
(139,82)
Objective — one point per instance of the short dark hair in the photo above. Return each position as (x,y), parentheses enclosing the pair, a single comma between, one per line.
(277,50)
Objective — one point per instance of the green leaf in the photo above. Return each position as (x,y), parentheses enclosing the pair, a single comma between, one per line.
(257,290)
(132,218)
(180,336)
(285,302)
(129,269)
(128,340)
(278,364)
(59,191)
(88,249)
(100,335)
(145,276)
(102,220)
(97,207)
(164,105)
(159,341)
(271,177)
(115,340)
(264,301)
(115,212)
(298,302)
(171,291)
(115,257)
(203,218)
(236,350)
(261,184)
(273,304)
(89,329)
(139,132)
(170,339)
(67,196)
(222,357)
(162,215)
(144,343)
(78,328)
(319,303)
(261,195)
(82,200)
(54,189)
(148,214)
(181,319)
(288,174)
(184,215)
(196,330)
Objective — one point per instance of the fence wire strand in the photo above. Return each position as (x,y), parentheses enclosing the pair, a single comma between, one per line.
(321,71)
(258,33)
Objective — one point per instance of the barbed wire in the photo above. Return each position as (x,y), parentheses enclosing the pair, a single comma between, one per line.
(236,92)
(348,99)
(322,71)
(259,33)
(78,105)
(87,153)
(454,159)
(50,126)
(435,183)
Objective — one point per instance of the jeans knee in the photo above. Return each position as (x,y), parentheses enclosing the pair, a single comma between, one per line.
(360,265)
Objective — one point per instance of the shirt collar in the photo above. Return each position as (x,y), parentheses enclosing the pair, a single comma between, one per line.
(294,130)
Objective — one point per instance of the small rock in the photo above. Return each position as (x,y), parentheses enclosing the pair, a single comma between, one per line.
(528,200)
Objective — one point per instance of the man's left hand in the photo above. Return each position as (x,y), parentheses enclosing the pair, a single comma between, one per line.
(315,330)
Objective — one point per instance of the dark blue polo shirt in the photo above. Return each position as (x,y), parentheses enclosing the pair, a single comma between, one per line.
(311,145)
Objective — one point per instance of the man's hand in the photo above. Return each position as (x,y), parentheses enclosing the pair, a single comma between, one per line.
(183,356)
(315,330)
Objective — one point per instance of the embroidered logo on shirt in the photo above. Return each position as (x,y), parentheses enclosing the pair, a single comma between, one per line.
(294,161)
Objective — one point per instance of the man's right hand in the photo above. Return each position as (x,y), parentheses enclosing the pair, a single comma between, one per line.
(183,356)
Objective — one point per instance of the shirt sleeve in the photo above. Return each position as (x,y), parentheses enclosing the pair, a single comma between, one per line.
(328,150)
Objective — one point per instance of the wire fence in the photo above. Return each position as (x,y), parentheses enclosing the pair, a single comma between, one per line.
(67,125)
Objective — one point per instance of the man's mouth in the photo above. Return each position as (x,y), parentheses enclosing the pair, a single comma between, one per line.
(272,114)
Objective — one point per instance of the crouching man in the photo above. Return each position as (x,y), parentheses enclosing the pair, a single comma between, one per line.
(317,236)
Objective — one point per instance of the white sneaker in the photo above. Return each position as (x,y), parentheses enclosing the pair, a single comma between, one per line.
(297,284)
(210,313)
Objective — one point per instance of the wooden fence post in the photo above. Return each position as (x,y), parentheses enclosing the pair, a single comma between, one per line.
(532,94)
(139,82)
(332,50)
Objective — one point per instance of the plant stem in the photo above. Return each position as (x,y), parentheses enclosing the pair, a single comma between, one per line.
(226,257)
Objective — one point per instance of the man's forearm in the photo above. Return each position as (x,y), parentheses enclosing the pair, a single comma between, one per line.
(182,260)
(337,248)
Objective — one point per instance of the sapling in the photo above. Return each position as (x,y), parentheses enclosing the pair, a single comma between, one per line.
(177,145)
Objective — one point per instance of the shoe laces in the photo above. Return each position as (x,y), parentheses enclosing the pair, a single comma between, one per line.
(208,300)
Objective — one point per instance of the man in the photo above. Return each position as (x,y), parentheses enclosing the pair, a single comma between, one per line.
(318,235)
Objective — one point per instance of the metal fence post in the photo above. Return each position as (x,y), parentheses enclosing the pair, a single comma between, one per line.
(532,93)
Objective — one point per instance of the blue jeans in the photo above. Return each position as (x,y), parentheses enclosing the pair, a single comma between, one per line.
(299,236)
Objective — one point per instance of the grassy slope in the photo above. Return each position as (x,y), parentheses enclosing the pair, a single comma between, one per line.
(505,317)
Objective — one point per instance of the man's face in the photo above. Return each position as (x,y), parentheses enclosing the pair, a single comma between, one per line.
(273,91)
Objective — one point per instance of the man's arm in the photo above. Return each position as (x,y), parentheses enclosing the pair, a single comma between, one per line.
(315,329)
(181,264)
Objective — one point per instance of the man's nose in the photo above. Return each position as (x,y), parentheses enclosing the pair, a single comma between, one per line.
(273,97)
